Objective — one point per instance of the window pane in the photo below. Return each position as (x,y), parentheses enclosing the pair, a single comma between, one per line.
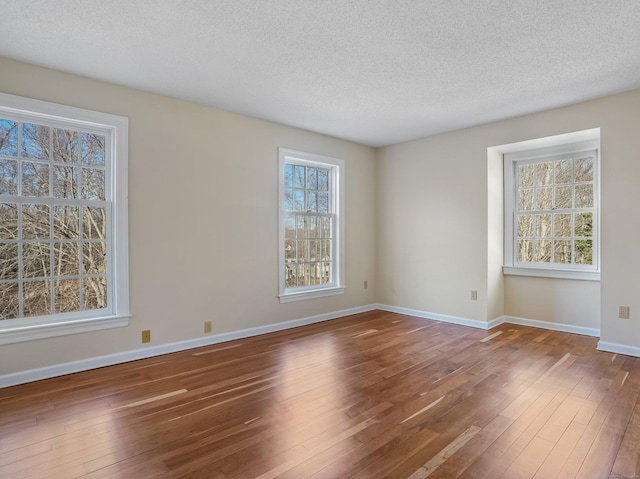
(323,202)
(290,275)
(314,250)
(525,175)
(315,273)
(544,198)
(583,224)
(288,175)
(564,174)
(583,252)
(8,260)
(525,226)
(544,173)
(326,272)
(562,251)
(303,250)
(564,197)
(92,184)
(543,226)
(35,141)
(325,227)
(323,179)
(302,227)
(66,259)
(8,177)
(290,227)
(9,301)
(526,200)
(92,149)
(303,275)
(290,251)
(94,223)
(36,298)
(312,203)
(326,250)
(35,260)
(312,179)
(35,221)
(65,182)
(94,258)
(299,177)
(524,252)
(298,200)
(66,222)
(8,138)
(8,221)
(562,225)
(543,251)
(67,293)
(35,179)
(584,196)
(288,199)
(314,226)
(65,144)
(95,293)
(584,169)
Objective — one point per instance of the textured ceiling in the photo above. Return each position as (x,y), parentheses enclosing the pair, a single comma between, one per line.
(372,71)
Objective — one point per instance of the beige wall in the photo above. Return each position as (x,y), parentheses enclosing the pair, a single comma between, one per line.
(437,212)
(426,214)
(202,218)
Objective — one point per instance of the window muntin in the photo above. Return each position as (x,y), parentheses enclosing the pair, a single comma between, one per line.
(63,231)
(309,224)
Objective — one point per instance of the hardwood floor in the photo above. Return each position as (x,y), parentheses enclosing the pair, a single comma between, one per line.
(367,396)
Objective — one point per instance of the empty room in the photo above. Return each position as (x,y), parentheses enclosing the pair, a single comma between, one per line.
(313,239)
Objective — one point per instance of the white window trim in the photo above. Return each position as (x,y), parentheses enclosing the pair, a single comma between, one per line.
(26,329)
(587,140)
(337,165)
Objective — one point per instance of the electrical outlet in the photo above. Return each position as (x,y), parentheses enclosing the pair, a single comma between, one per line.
(146,336)
(623,312)
(366,284)
(474,295)
(207,327)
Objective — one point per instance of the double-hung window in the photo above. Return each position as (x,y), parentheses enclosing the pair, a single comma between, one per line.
(311,217)
(63,220)
(551,214)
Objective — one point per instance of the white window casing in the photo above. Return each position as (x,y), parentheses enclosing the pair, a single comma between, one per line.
(552,209)
(311,225)
(98,199)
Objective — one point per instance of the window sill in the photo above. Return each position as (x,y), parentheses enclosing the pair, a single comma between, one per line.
(302,295)
(552,273)
(50,329)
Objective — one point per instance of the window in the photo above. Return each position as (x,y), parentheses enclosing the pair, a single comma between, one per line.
(311,215)
(63,220)
(551,211)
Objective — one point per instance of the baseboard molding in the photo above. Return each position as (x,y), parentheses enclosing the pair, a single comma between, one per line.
(473,323)
(126,356)
(618,348)
(565,328)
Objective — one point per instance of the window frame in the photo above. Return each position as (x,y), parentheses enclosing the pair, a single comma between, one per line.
(115,129)
(336,201)
(589,143)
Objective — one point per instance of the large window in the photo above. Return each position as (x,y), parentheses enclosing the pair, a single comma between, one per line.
(552,211)
(63,220)
(310,225)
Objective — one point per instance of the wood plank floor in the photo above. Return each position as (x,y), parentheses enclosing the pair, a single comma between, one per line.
(367,396)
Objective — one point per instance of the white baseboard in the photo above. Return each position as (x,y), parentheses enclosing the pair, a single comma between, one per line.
(126,356)
(474,323)
(618,348)
(565,328)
